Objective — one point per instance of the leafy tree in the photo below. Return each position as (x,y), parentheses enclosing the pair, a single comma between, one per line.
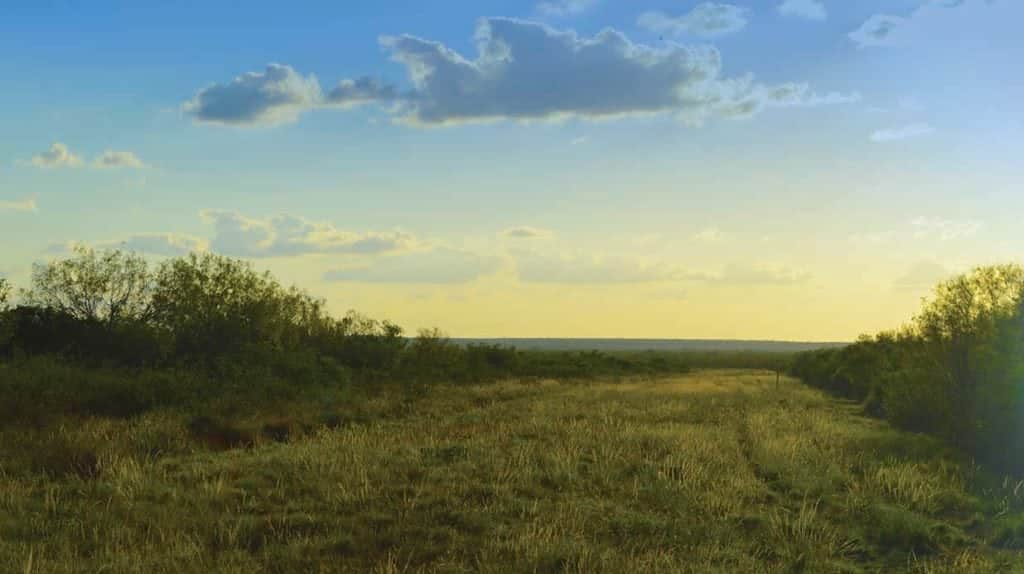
(215,305)
(104,286)
(5,293)
(5,322)
(960,325)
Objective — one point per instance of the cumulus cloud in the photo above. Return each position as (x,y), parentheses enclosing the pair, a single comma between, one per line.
(527,232)
(530,71)
(944,229)
(441,265)
(361,91)
(277,95)
(563,8)
(22,205)
(807,9)
(706,19)
(286,235)
(58,156)
(523,71)
(760,274)
(119,159)
(902,133)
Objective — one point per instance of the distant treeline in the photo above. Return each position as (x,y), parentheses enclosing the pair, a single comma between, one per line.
(105,332)
(955,371)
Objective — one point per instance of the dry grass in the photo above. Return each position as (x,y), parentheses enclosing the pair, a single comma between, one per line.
(717,471)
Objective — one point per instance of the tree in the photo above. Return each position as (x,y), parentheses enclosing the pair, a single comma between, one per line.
(216,305)
(5,293)
(106,286)
(960,326)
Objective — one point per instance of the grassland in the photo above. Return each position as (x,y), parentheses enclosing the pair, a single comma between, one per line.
(714,471)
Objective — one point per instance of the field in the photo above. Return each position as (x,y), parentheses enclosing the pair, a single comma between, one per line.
(714,471)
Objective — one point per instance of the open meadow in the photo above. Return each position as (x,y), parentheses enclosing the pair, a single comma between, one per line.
(713,471)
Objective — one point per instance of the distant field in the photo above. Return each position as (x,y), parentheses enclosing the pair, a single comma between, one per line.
(654,345)
(716,471)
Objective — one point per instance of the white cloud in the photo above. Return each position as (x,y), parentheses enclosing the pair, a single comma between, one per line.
(807,9)
(441,265)
(944,229)
(529,71)
(277,95)
(579,141)
(760,274)
(286,235)
(58,156)
(887,29)
(706,19)
(527,232)
(119,159)
(902,133)
(709,235)
(361,91)
(877,30)
(564,8)
(523,71)
(576,270)
(21,205)
(165,244)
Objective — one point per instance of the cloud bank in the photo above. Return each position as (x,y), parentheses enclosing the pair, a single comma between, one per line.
(706,19)
(524,71)
(286,235)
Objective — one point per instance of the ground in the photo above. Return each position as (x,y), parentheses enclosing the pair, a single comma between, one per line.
(717,471)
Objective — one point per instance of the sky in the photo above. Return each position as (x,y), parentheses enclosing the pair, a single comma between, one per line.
(778,169)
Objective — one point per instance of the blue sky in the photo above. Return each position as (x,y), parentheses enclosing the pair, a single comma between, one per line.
(779,169)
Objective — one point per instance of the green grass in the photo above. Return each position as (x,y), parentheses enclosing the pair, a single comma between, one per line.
(715,471)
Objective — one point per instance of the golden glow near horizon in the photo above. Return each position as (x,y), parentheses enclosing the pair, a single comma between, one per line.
(779,177)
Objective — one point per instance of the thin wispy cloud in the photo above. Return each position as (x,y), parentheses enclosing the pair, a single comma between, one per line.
(27,204)
(527,232)
(564,8)
(160,244)
(710,235)
(806,9)
(881,30)
(921,276)
(761,274)
(118,159)
(58,156)
(944,229)
(902,133)
(441,265)
(590,270)
(287,235)
(705,19)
